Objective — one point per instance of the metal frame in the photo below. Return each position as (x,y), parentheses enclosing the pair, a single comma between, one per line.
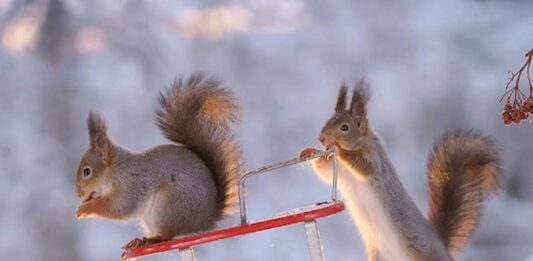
(186,254)
(295,216)
(316,251)
(313,241)
(242,181)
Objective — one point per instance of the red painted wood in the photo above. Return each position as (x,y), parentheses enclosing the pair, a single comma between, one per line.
(284,219)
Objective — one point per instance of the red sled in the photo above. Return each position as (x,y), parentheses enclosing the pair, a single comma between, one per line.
(307,215)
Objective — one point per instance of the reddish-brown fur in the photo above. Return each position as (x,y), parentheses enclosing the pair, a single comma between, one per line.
(462,169)
(187,117)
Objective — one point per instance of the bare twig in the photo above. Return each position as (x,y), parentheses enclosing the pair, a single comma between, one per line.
(520,106)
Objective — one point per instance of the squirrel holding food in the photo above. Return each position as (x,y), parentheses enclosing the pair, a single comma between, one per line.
(172,189)
(463,168)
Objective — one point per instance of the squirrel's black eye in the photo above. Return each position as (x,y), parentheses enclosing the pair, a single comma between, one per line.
(345,127)
(87,171)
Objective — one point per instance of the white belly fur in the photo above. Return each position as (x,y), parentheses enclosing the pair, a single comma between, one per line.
(373,222)
(147,213)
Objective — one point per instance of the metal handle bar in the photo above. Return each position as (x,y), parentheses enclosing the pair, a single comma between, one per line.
(281,164)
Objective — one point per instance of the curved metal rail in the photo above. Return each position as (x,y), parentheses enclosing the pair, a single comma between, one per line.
(242,181)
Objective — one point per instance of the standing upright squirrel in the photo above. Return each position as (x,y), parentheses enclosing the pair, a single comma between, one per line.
(175,188)
(463,168)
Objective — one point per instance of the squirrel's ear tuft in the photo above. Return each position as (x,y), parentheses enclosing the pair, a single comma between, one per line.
(341,98)
(360,98)
(99,141)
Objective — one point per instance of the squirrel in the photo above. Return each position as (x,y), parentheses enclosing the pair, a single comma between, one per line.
(173,189)
(463,168)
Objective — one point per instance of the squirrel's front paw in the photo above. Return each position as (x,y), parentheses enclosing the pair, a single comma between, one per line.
(81,213)
(341,153)
(84,211)
(308,152)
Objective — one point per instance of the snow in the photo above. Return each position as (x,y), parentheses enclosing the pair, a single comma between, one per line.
(434,66)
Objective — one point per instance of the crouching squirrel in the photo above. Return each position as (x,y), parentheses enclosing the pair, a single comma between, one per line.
(172,189)
(463,167)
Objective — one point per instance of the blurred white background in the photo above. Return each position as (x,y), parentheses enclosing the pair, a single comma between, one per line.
(434,65)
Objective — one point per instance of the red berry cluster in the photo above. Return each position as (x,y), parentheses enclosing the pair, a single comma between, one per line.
(516,114)
(518,107)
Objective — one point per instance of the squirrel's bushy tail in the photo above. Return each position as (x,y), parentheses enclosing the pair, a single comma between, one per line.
(198,112)
(463,168)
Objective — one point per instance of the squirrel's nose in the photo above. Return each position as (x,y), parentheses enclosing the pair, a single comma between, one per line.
(322,139)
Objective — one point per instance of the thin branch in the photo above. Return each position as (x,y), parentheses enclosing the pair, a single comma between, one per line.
(520,107)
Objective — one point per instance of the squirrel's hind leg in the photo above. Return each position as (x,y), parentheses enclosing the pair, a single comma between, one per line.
(138,242)
(157,229)
(171,213)
(156,236)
